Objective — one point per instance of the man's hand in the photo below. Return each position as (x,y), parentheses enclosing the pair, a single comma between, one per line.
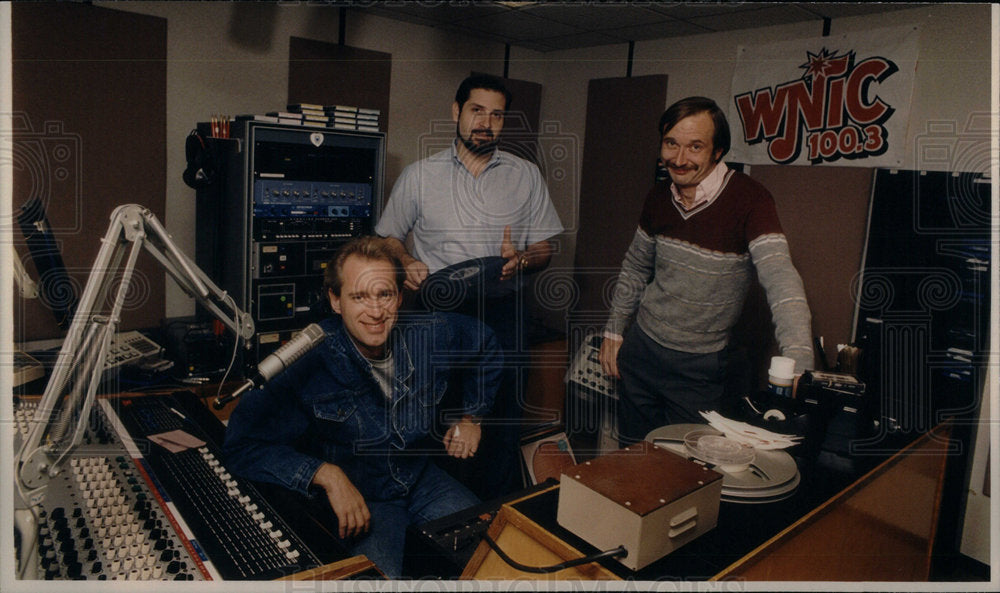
(609,356)
(352,513)
(508,252)
(462,439)
(416,272)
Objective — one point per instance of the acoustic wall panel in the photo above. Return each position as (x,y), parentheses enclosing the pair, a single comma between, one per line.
(620,151)
(89,91)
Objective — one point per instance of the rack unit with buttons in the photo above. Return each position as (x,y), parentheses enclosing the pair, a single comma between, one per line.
(286,199)
(585,369)
(591,399)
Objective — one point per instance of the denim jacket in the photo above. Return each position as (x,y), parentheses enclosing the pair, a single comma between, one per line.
(327,406)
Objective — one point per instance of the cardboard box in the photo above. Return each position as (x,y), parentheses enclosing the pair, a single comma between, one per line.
(643,497)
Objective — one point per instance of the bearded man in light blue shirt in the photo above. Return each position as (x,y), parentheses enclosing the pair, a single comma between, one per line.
(472,201)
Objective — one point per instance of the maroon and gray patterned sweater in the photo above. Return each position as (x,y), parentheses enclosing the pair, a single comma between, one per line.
(687,273)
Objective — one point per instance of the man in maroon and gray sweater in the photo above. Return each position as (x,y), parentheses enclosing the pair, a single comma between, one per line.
(687,273)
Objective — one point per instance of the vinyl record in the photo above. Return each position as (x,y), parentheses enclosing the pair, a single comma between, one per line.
(451,287)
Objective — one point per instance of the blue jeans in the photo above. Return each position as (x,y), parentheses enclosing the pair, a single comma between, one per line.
(496,469)
(435,494)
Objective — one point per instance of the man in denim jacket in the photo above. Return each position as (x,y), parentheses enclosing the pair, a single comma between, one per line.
(355,416)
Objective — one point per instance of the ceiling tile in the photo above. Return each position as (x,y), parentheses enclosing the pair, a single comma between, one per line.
(596,16)
(576,40)
(518,25)
(439,12)
(547,26)
(840,10)
(658,31)
(752,18)
(406,17)
(693,10)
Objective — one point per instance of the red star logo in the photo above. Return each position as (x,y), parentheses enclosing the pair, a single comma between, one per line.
(825,64)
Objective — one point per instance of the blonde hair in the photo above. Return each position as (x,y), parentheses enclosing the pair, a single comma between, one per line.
(369,247)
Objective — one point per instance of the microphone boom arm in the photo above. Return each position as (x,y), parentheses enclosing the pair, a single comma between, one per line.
(79,369)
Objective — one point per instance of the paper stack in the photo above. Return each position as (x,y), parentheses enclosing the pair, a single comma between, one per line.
(748,434)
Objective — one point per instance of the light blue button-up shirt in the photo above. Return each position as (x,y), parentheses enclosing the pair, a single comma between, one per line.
(456,216)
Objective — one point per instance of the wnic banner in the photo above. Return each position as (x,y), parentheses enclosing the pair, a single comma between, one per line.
(842,100)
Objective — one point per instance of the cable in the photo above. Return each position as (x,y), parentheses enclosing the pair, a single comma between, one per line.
(620,550)
(229,300)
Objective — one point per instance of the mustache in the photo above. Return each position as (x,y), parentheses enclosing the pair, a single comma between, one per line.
(484,131)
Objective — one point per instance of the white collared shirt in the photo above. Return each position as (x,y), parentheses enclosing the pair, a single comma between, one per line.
(706,192)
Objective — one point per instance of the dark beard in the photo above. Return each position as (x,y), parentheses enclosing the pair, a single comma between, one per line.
(477,148)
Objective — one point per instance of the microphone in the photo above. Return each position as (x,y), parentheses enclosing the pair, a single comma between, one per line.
(276,362)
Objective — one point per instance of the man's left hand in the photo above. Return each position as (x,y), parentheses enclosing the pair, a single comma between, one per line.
(462,439)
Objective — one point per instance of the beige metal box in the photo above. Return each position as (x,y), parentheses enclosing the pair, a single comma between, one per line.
(643,497)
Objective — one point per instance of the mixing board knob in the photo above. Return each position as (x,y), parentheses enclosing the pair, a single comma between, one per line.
(69,557)
(49,557)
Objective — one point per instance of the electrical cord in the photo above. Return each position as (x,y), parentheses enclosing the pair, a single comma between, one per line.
(236,347)
(619,551)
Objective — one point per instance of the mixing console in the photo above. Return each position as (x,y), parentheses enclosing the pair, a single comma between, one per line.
(147,497)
